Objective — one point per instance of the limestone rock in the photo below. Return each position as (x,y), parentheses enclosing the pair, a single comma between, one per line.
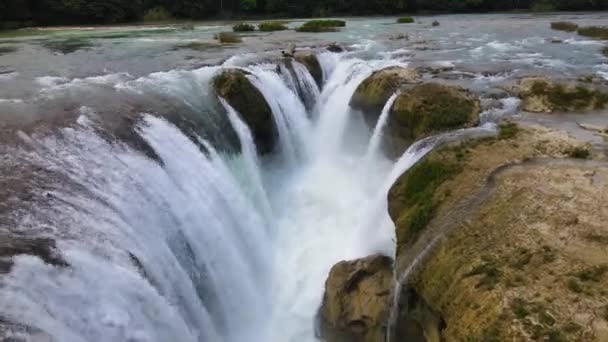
(542,95)
(310,61)
(357,300)
(371,95)
(427,109)
(234,86)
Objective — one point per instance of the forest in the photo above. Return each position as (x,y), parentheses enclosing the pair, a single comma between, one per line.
(15,13)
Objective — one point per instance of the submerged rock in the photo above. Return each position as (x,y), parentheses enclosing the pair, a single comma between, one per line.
(523,254)
(357,300)
(310,61)
(541,95)
(371,95)
(12,245)
(234,86)
(427,109)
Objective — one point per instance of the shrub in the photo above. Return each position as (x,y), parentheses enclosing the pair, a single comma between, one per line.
(600,32)
(227,38)
(269,26)
(242,27)
(405,20)
(578,152)
(157,14)
(564,26)
(321,26)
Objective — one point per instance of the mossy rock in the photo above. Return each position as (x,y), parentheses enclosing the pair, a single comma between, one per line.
(311,62)
(234,86)
(428,109)
(541,95)
(371,95)
(357,300)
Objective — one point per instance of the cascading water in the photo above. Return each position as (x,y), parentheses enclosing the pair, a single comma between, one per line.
(203,245)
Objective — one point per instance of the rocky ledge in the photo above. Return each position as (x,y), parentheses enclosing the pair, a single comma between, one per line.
(518,242)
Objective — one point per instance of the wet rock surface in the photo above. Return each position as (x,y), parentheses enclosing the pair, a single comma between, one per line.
(234,86)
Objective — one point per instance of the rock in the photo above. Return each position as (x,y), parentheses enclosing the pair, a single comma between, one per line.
(357,300)
(523,248)
(310,61)
(428,109)
(334,47)
(541,95)
(234,86)
(435,23)
(12,245)
(371,95)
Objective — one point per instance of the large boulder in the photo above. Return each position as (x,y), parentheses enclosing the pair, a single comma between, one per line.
(234,86)
(357,300)
(541,95)
(427,109)
(311,62)
(371,95)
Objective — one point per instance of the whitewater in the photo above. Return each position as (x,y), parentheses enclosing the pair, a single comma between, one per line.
(204,244)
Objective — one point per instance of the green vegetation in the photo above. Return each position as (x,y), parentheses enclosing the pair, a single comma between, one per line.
(600,32)
(242,27)
(269,26)
(594,273)
(7,49)
(490,274)
(520,308)
(433,107)
(197,46)
(507,130)
(414,192)
(578,152)
(157,14)
(564,26)
(574,285)
(321,26)
(227,38)
(564,98)
(405,20)
(67,46)
(20,13)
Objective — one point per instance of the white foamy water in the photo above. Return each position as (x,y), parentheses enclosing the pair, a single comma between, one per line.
(204,245)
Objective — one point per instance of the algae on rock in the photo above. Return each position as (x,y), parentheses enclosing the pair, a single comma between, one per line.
(310,61)
(541,95)
(234,86)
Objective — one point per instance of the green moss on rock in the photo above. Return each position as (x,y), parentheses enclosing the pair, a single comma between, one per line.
(411,199)
(428,109)
(405,20)
(310,61)
(542,95)
(234,86)
(371,95)
(564,26)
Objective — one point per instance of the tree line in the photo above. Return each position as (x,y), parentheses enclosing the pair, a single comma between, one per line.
(45,12)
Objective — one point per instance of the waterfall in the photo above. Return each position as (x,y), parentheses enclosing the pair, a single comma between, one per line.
(374,142)
(288,111)
(198,242)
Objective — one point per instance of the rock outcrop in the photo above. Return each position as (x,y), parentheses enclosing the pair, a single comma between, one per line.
(371,95)
(541,95)
(310,61)
(234,86)
(357,300)
(522,252)
(12,245)
(427,109)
